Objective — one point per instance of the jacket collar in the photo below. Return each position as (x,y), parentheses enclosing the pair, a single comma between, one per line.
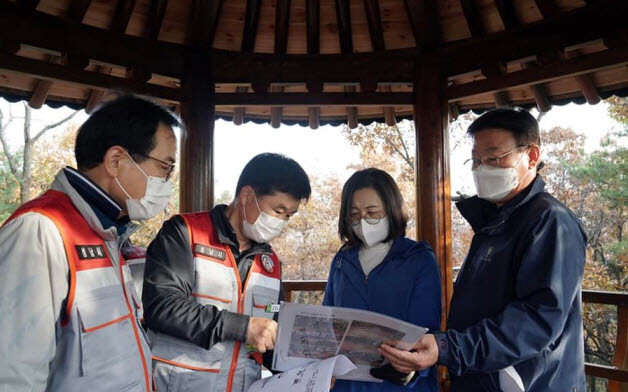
(109,233)
(486,217)
(350,255)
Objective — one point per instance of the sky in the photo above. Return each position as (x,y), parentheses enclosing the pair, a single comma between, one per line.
(323,151)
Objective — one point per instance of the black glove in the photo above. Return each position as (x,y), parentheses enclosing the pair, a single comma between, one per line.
(390,374)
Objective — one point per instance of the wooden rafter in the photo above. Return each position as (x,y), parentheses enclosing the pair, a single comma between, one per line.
(282,23)
(251,21)
(203,22)
(590,93)
(95,95)
(122,16)
(155,19)
(548,8)
(535,74)
(507,13)
(472,17)
(425,22)
(312,25)
(164,58)
(374,19)
(28,5)
(77,10)
(76,13)
(352,111)
(343,16)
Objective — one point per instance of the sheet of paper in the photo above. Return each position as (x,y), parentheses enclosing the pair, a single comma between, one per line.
(309,333)
(510,381)
(315,377)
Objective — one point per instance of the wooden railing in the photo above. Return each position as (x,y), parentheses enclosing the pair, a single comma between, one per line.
(616,374)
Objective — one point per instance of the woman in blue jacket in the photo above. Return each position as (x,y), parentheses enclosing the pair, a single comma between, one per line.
(380,270)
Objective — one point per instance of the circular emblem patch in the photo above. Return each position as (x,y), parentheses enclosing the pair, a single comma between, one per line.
(268,263)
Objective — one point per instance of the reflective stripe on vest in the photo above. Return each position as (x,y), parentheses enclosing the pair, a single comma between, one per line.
(100,346)
(225,366)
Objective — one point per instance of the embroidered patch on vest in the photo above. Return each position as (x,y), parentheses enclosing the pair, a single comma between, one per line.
(210,251)
(87,252)
(268,263)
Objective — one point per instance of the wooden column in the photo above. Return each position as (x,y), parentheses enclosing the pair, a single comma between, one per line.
(433,215)
(197,144)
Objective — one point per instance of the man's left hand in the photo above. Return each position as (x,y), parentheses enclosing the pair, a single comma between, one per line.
(424,354)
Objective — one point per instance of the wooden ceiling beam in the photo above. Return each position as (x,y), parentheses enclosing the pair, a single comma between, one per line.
(282,25)
(352,111)
(374,19)
(122,16)
(156,16)
(425,20)
(548,8)
(78,10)
(312,25)
(59,73)
(96,95)
(76,13)
(524,41)
(393,66)
(389,111)
(589,91)
(501,99)
(204,16)
(507,13)
(251,21)
(343,17)
(472,16)
(28,5)
(536,74)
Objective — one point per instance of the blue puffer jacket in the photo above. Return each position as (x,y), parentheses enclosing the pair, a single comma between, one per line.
(517,299)
(406,285)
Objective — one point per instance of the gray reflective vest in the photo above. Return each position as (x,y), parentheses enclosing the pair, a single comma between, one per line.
(180,365)
(100,343)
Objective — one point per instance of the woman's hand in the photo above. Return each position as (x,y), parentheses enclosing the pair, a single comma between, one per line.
(424,354)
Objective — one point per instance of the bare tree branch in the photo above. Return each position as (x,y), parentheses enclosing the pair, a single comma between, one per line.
(5,143)
(53,125)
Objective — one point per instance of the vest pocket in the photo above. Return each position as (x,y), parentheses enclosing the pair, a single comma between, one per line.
(107,341)
(262,297)
(181,366)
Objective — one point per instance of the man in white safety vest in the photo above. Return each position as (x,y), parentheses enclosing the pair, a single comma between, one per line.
(70,315)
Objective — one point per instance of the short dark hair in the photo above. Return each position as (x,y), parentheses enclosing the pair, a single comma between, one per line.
(268,173)
(519,122)
(387,190)
(129,122)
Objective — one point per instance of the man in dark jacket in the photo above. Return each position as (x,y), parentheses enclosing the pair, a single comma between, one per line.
(515,321)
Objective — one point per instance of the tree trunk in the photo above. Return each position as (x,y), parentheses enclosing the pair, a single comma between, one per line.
(27,169)
(25,184)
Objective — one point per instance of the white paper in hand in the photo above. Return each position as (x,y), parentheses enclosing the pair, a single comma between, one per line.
(315,377)
(510,380)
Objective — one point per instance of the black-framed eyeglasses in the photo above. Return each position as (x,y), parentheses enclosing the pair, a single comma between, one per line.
(168,164)
(492,161)
(372,218)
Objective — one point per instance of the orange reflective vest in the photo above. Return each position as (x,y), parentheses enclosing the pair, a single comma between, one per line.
(100,345)
(227,366)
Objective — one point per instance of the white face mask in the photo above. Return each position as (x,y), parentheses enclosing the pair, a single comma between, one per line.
(372,234)
(495,183)
(155,200)
(265,228)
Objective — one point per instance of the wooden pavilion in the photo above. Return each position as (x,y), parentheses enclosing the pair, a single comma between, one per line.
(324,61)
